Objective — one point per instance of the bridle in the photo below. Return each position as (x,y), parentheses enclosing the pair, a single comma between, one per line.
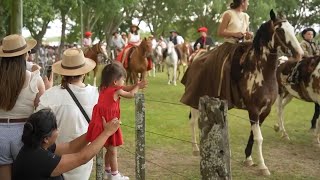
(276,36)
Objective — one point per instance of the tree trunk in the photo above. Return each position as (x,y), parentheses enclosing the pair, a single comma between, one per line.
(63,33)
(16,17)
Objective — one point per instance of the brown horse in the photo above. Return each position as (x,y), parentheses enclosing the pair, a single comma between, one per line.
(137,61)
(92,53)
(307,88)
(256,82)
(183,61)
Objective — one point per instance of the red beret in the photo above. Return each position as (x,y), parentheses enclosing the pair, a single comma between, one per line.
(88,33)
(203,29)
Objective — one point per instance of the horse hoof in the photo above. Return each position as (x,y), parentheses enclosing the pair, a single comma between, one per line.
(175,84)
(286,137)
(264,172)
(248,163)
(276,128)
(196,153)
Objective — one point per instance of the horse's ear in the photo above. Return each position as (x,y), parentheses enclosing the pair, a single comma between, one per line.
(272,15)
(145,38)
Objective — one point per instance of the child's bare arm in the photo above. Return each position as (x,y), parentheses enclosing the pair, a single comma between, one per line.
(126,94)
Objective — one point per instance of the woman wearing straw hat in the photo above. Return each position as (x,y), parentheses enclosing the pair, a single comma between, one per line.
(20,90)
(71,121)
(133,40)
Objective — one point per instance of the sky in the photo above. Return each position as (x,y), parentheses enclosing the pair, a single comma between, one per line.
(55,29)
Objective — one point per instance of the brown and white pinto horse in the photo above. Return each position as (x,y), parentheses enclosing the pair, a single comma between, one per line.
(92,53)
(257,83)
(137,61)
(308,88)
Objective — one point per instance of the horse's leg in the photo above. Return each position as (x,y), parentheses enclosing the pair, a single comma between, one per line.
(318,131)
(168,73)
(248,151)
(194,117)
(281,103)
(257,136)
(175,74)
(95,76)
(315,115)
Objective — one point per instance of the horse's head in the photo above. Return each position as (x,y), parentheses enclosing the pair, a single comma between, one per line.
(146,45)
(277,33)
(170,47)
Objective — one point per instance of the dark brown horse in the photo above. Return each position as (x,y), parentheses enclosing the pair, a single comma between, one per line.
(137,61)
(307,88)
(256,81)
(92,53)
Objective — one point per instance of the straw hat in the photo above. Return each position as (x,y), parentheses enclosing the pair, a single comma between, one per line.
(15,45)
(134,25)
(73,63)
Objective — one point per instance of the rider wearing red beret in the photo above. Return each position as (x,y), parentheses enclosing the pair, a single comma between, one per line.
(203,40)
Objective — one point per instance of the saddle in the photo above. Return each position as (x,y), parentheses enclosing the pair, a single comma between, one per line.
(127,55)
(238,59)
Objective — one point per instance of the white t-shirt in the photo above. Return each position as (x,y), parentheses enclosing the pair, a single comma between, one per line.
(180,40)
(70,120)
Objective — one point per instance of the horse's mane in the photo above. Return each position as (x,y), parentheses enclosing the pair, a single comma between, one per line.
(263,36)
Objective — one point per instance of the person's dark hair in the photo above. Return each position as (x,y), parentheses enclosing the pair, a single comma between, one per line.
(110,73)
(134,32)
(65,80)
(12,78)
(38,126)
(235,4)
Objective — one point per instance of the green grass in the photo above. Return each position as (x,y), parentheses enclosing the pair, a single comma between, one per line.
(295,159)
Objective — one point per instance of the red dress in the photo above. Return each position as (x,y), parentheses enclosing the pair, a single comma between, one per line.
(108,108)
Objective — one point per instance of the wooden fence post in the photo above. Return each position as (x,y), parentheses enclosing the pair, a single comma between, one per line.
(214,139)
(140,136)
(99,165)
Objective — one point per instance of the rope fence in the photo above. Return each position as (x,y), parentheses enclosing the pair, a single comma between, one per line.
(175,138)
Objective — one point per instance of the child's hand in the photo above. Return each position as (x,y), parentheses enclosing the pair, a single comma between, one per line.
(110,127)
(142,84)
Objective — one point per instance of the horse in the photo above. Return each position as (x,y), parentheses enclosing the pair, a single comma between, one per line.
(307,88)
(185,53)
(158,63)
(257,83)
(138,62)
(92,53)
(172,63)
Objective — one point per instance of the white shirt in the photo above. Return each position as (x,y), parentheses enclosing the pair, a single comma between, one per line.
(154,43)
(70,120)
(24,106)
(180,40)
(134,38)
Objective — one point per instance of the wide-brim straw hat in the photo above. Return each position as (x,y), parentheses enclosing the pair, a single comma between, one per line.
(134,25)
(73,63)
(15,45)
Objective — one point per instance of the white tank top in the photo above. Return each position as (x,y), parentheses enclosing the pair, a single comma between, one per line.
(134,38)
(238,23)
(24,106)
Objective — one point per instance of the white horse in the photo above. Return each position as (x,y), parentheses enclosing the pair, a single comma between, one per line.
(172,62)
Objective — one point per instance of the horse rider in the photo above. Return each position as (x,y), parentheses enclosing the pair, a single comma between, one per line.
(125,38)
(117,43)
(87,40)
(176,38)
(204,40)
(309,48)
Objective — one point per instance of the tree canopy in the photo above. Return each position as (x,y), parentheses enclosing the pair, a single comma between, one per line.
(103,17)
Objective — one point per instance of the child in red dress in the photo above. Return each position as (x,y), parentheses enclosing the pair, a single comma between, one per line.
(108,106)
